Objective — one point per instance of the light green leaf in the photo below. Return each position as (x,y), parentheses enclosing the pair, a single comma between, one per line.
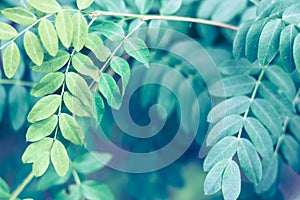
(296,51)
(213,180)
(110,30)
(137,48)
(95,190)
(240,40)
(83,4)
(3,97)
(59,158)
(231,182)
(286,44)
(109,89)
(294,126)
(70,129)
(224,149)
(44,108)
(279,101)
(144,6)
(169,7)
(48,36)
(291,15)
(259,137)
(232,86)
(269,41)
(7,32)
(230,125)
(79,88)
(121,67)
(282,80)
(227,10)
(41,129)
(270,173)
(87,163)
(19,15)
(53,64)
(34,150)
(46,6)
(95,44)
(48,84)
(11,60)
(266,114)
(252,39)
(75,106)
(80,32)
(84,65)
(33,48)
(18,99)
(234,105)
(99,107)
(41,164)
(4,189)
(249,161)
(64,27)
(290,149)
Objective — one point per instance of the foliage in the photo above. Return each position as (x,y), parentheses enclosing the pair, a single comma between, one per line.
(67,67)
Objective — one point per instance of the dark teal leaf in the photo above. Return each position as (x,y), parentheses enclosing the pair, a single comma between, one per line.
(4,189)
(296,51)
(227,10)
(95,190)
(3,97)
(292,14)
(99,107)
(110,30)
(234,105)
(230,125)
(290,150)
(233,86)
(249,161)
(286,44)
(260,137)
(267,114)
(294,127)
(268,45)
(240,40)
(231,182)
(238,67)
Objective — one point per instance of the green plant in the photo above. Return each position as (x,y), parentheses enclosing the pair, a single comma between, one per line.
(74,77)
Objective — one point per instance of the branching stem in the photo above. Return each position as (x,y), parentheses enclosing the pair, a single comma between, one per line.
(161,17)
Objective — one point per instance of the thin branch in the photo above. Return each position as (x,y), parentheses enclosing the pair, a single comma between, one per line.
(161,17)
(16,82)
(21,187)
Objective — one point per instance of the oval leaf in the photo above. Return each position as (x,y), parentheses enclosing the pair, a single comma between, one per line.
(95,44)
(59,158)
(41,164)
(110,90)
(34,150)
(240,40)
(19,15)
(84,65)
(231,182)
(7,32)
(44,108)
(11,60)
(169,7)
(80,31)
(48,36)
(82,4)
(291,15)
(41,129)
(110,30)
(46,6)
(33,48)
(121,67)
(75,106)
(137,48)
(64,28)
(70,129)
(296,50)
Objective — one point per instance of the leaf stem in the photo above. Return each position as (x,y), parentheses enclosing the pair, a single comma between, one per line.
(258,82)
(21,187)
(161,17)
(285,125)
(76,177)
(25,30)
(16,82)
